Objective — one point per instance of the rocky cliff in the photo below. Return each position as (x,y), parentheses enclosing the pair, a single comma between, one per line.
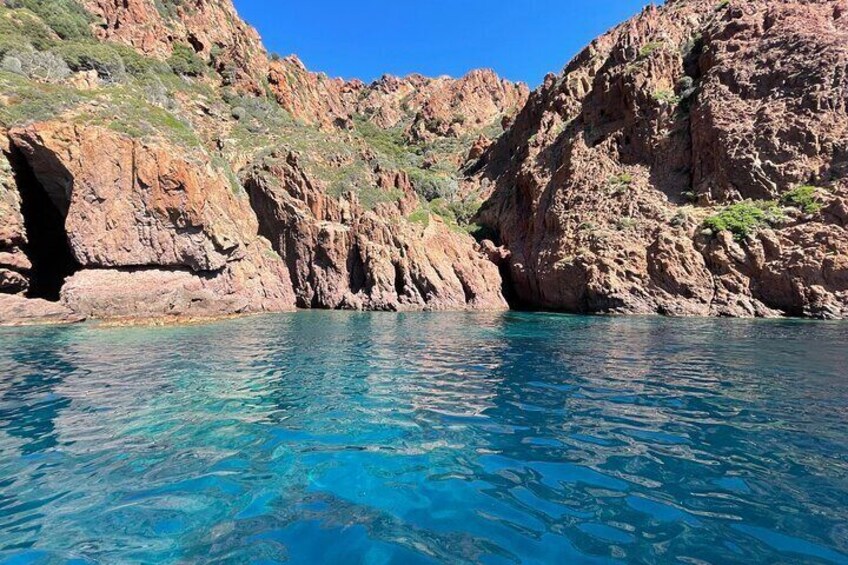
(132,132)
(211,29)
(424,108)
(151,229)
(156,162)
(342,255)
(692,161)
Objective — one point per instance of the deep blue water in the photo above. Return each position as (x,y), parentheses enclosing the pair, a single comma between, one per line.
(422,438)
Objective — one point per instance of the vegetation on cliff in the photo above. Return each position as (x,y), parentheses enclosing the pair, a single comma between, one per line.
(210,96)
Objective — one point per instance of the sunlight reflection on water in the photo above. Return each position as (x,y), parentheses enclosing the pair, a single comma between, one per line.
(410,438)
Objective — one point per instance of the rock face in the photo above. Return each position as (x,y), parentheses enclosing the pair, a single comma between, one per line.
(341,255)
(20,311)
(14,264)
(212,28)
(600,188)
(441,107)
(119,198)
(427,108)
(155,230)
(312,97)
(124,201)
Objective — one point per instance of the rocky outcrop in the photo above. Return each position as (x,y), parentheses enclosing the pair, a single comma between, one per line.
(212,28)
(430,108)
(313,97)
(426,108)
(600,188)
(341,255)
(154,228)
(14,264)
(153,222)
(20,311)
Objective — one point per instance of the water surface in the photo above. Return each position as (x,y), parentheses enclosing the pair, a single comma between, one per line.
(424,438)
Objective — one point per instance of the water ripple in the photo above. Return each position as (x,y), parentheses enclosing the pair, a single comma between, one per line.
(413,438)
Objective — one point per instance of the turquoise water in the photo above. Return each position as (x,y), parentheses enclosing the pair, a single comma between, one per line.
(423,438)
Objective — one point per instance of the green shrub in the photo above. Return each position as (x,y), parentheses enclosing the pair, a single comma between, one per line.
(804,198)
(620,184)
(389,142)
(98,57)
(649,48)
(136,63)
(21,27)
(45,66)
(168,9)
(431,186)
(464,211)
(420,216)
(625,224)
(450,210)
(744,218)
(65,17)
(622,179)
(370,196)
(666,96)
(456,213)
(184,61)
(29,100)
(690,196)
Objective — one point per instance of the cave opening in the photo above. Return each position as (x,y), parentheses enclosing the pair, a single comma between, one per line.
(47,246)
(508,289)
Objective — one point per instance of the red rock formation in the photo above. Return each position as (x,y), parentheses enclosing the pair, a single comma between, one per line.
(599,187)
(149,219)
(20,311)
(311,97)
(341,255)
(697,102)
(426,107)
(212,28)
(14,264)
(450,108)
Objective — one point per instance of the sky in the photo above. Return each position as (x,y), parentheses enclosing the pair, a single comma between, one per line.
(521,40)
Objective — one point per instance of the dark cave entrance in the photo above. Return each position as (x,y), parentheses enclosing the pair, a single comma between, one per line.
(47,248)
(508,287)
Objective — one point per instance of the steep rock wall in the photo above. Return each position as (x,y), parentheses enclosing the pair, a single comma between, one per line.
(146,219)
(342,256)
(600,189)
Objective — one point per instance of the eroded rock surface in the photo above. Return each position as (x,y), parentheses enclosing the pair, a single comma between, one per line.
(124,201)
(19,311)
(341,255)
(132,206)
(14,264)
(426,108)
(601,186)
(211,28)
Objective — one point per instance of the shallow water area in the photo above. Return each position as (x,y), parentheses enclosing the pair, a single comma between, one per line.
(422,438)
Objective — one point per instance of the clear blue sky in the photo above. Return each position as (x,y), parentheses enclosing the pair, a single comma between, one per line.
(520,39)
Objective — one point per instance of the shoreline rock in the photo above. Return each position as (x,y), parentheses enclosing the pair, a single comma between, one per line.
(601,187)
